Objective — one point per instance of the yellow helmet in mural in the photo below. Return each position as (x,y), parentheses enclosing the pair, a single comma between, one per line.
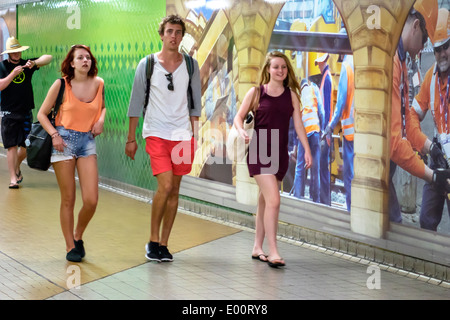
(429,10)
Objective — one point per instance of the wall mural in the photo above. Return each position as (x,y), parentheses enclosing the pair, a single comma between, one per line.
(230,40)
(299,28)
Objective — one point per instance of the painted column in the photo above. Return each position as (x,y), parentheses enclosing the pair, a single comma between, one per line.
(374,48)
(252,24)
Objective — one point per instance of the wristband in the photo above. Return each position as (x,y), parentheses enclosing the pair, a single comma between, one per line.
(131,141)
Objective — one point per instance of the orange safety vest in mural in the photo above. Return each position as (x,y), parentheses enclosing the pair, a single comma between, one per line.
(310,116)
(324,77)
(434,96)
(436,99)
(348,120)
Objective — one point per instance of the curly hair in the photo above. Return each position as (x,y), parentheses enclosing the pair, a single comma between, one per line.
(172,19)
(68,71)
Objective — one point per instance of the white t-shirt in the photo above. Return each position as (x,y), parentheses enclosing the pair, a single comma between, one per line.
(167,114)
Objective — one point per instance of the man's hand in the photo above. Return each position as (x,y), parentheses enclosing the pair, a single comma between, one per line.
(441,180)
(438,156)
(326,133)
(131,148)
(30,64)
(16,71)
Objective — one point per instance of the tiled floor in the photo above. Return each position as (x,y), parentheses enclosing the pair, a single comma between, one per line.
(212,260)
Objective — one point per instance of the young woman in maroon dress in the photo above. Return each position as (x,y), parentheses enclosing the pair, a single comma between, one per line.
(268,157)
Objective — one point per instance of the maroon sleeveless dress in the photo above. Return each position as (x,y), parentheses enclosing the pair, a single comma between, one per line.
(268,149)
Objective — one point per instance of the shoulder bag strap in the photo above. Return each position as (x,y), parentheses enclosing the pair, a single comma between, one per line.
(255,99)
(59,98)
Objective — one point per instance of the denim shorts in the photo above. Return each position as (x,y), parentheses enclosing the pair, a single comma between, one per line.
(79,144)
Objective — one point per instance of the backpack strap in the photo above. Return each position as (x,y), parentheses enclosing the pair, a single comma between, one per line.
(189,65)
(3,72)
(190,69)
(149,71)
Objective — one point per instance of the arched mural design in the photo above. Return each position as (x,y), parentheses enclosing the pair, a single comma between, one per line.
(245,32)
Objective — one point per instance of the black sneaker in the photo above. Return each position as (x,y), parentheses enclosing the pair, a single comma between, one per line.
(73,255)
(152,251)
(165,254)
(80,247)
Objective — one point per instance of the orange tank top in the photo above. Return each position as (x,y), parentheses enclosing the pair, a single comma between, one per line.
(78,115)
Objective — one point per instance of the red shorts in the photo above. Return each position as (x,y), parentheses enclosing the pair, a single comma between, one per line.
(166,155)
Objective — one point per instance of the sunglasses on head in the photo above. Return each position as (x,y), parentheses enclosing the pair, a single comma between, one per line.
(443,47)
(169,78)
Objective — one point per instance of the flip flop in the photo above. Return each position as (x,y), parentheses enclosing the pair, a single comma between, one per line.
(13,186)
(19,177)
(275,263)
(260,257)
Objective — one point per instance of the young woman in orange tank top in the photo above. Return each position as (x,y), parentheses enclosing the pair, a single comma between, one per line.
(80,119)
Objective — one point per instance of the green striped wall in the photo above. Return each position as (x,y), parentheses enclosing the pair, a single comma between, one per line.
(119,34)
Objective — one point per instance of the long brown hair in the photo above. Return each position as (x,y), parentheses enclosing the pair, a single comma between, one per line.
(290,81)
(68,71)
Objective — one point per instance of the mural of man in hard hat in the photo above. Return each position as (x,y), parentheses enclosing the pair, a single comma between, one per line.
(420,24)
(434,96)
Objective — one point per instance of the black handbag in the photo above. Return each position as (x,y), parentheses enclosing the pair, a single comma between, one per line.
(39,142)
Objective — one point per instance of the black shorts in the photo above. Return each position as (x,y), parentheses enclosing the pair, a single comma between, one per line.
(15,130)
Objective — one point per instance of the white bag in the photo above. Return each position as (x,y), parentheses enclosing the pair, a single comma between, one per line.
(236,147)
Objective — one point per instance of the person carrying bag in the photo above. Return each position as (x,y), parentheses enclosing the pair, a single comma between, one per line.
(236,147)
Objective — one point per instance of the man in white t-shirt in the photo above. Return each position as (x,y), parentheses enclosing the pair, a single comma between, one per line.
(169,128)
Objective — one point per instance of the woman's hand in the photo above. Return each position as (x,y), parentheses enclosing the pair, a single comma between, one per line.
(243,134)
(97,129)
(58,142)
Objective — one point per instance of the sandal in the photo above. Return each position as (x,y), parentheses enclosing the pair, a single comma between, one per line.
(261,257)
(275,263)
(19,177)
(13,186)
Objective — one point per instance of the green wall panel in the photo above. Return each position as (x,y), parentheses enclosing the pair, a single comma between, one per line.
(119,33)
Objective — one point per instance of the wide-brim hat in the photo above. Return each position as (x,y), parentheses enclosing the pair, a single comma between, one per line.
(13,45)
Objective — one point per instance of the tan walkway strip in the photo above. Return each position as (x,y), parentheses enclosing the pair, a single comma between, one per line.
(32,250)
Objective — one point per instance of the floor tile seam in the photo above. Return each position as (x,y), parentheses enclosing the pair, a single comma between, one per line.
(134,267)
(366,262)
(33,271)
(131,268)
(331,252)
